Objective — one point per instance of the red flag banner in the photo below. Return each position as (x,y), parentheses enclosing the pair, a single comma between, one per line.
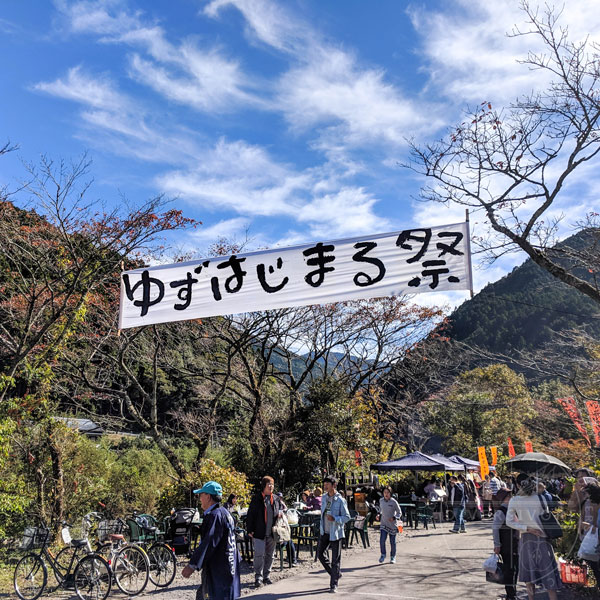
(358,458)
(570,407)
(483,463)
(594,411)
(528,447)
(494,451)
(511,449)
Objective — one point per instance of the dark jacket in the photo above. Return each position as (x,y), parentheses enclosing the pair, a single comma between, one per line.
(460,498)
(217,556)
(256,522)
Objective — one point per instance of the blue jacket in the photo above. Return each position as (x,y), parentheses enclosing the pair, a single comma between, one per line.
(339,511)
(217,555)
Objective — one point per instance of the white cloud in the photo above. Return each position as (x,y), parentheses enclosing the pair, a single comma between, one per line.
(203,78)
(356,105)
(269,23)
(99,92)
(211,83)
(346,213)
(114,120)
(95,16)
(326,86)
(471,58)
(8,27)
(239,177)
(226,228)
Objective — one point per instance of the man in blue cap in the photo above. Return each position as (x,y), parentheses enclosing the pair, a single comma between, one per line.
(217,553)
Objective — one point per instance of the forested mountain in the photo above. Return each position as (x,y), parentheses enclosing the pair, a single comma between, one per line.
(524,310)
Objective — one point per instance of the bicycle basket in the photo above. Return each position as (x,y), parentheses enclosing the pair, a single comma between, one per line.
(34,537)
(107,528)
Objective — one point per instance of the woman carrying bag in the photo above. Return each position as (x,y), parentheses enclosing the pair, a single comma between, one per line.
(537,564)
(506,544)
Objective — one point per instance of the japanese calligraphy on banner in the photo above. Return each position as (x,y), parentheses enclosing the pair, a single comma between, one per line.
(528,447)
(407,262)
(594,412)
(571,409)
(511,449)
(494,451)
(484,468)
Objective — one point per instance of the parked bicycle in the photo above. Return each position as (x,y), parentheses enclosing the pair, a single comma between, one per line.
(144,531)
(90,575)
(129,562)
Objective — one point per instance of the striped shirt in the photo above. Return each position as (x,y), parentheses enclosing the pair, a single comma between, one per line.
(495,485)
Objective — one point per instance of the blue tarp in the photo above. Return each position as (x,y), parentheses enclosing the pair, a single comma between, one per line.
(417,461)
(451,463)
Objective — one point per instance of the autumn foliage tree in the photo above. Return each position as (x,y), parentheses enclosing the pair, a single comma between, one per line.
(57,257)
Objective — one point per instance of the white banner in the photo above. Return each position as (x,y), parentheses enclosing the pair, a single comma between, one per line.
(406,262)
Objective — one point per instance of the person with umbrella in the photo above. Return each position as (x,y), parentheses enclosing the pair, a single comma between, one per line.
(537,564)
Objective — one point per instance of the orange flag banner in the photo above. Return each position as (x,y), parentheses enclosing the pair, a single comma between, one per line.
(571,409)
(484,468)
(494,451)
(511,449)
(528,447)
(594,412)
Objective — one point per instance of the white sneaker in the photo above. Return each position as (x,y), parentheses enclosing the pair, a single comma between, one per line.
(393,560)
(382,558)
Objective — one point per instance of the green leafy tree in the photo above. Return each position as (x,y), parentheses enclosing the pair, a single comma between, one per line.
(334,423)
(483,407)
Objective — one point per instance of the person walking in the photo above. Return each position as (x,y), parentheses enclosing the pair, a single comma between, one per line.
(486,495)
(217,554)
(390,513)
(265,508)
(506,543)
(334,515)
(537,564)
(457,500)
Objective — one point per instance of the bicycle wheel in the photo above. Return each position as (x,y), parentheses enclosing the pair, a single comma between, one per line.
(104,551)
(63,562)
(130,568)
(30,577)
(163,564)
(93,578)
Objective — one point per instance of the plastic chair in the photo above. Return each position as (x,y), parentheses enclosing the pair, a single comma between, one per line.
(361,528)
(308,534)
(244,543)
(425,515)
(280,548)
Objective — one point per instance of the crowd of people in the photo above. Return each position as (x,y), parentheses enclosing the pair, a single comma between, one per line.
(519,536)
(217,555)
(515,504)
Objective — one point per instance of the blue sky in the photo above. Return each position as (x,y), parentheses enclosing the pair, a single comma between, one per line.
(284,121)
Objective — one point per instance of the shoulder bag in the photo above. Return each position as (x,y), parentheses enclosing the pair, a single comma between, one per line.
(550,525)
(281,530)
